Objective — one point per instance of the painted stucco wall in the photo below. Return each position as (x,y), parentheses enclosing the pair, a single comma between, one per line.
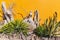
(45,8)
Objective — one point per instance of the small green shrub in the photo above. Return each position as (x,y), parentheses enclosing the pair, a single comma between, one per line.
(16,26)
(48,28)
(41,31)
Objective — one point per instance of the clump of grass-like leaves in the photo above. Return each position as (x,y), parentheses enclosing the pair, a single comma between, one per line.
(16,26)
(49,27)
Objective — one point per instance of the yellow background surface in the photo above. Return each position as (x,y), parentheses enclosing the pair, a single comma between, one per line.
(45,8)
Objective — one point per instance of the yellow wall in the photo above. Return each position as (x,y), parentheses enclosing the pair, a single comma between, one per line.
(45,8)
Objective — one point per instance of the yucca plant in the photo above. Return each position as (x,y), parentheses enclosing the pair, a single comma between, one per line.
(49,27)
(16,26)
(40,31)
